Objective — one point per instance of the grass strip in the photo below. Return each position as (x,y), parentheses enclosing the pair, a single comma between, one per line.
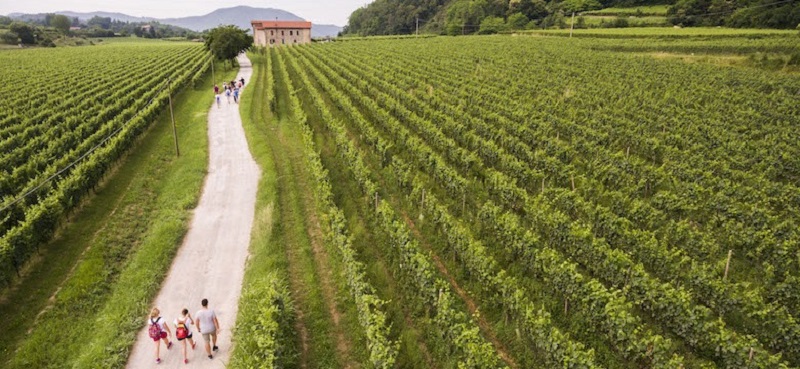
(179,193)
(267,257)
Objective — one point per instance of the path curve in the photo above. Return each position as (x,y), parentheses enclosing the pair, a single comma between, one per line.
(210,263)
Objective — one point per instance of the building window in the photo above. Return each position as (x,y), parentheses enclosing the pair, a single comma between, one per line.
(272,33)
(290,32)
(295,41)
(272,40)
(282,33)
(283,41)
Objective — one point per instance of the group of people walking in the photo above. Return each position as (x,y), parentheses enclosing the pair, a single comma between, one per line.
(231,88)
(205,321)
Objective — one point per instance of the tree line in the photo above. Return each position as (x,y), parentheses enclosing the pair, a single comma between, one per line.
(43,30)
(454,17)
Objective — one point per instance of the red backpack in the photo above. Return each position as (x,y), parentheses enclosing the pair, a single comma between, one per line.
(181,332)
(155,329)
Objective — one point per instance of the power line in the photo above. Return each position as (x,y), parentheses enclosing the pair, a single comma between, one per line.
(76,161)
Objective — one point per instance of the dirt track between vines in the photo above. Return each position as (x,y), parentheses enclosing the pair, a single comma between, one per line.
(211,260)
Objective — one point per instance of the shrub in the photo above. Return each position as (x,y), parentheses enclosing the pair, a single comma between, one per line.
(46,42)
(491,25)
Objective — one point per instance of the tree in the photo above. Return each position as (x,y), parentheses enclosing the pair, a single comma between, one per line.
(463,15)
(102,22)
(61,23)
(226,42)
(533,9)
(491,25)
(517,21)
(24,32)
(571,6)
(384,17)
(8,38)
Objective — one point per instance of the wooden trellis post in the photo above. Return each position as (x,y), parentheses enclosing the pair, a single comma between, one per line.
(172,116)
(727,265)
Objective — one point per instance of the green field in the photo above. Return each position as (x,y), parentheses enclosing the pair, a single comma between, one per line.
(601,20)
(610,197)
(642,16)
(670,32)
(59,139)
(651,10)
(627,198)
(76,301)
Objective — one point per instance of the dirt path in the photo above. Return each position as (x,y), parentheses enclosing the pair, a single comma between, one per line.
(210,262)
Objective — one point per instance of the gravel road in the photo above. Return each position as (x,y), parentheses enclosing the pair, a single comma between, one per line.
(210,262)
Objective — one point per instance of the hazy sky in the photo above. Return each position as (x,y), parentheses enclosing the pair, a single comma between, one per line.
(317,11)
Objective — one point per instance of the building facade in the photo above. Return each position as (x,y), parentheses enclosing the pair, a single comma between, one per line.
(276,33)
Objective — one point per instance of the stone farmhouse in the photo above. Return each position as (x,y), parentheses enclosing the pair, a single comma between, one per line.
(275,32)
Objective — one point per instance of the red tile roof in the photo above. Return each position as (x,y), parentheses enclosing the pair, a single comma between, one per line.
(261,24)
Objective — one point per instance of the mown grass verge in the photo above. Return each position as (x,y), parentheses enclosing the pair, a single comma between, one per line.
(126,238)
(288,240)
(267,261)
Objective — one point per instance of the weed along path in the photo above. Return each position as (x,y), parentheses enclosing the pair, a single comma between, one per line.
(210,263)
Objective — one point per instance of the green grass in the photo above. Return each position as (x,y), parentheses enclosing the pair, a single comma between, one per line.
(665,32)
(347,196)
(646,21)
(267,254)
(108,262)
(304,284)
(418,347)
(286,202)
(658,10)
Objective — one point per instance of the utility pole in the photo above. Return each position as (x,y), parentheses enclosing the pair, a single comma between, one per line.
(172,115)
(417,33)
(572,25)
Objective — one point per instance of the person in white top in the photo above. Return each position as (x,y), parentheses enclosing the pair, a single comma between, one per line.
(158,331)
(207,325)
(183,332)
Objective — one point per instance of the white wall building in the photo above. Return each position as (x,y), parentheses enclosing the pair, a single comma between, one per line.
(275,33)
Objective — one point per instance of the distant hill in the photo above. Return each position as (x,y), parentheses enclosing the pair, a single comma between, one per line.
(83,16)
(239,16)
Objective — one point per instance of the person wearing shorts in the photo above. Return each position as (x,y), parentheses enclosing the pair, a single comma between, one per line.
(183,322)
(155,318)
(208,325)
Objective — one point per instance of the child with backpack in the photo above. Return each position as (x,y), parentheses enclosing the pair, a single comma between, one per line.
(183,332)
(158,331)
